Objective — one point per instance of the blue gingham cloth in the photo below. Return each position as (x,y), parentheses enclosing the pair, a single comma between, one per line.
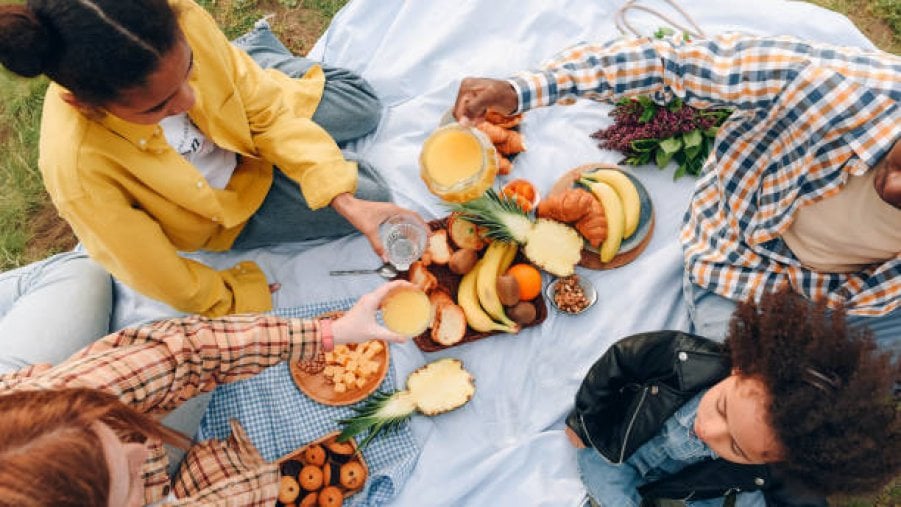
(279,418)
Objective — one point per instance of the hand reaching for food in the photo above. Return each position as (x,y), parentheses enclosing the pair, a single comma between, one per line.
(359,324)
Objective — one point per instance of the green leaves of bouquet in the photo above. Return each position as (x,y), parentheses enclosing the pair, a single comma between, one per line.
(647,132)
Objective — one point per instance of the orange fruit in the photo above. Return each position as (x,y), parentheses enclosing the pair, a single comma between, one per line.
(529,280)
(522,192)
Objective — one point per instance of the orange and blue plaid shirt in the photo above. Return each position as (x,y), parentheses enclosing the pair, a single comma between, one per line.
(157,367)
(806,117)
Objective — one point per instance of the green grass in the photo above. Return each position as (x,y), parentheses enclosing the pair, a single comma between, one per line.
(869,16)
(21,189)
(235,17)
(327,8)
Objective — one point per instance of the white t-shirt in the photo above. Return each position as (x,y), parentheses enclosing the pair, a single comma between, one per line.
(847,231)
(215,163)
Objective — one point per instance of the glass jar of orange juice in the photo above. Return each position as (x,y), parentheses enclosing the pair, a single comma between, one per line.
(458,163)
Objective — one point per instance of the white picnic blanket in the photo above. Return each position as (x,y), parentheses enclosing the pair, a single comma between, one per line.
(506,447)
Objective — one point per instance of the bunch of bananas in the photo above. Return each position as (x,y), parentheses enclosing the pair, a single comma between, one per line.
(622,206)
(477,293)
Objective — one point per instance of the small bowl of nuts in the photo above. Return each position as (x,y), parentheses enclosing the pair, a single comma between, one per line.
(571,294)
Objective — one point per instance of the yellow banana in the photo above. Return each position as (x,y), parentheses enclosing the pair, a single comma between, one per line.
(616,220)
(468,299)
(486,281)
(627,193)
(509,255)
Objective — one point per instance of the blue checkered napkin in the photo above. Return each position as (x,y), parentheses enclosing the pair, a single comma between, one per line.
(279,418)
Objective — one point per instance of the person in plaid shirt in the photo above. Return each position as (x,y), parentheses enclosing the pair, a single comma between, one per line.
(803,185)
(86,431)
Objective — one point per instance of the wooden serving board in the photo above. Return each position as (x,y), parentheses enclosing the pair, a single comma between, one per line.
(449,282)
(632,246)
(319,389)
(291,463)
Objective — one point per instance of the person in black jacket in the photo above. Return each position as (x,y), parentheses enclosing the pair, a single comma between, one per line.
(795,406)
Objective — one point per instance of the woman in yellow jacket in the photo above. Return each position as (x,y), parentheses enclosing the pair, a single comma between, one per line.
(159,136)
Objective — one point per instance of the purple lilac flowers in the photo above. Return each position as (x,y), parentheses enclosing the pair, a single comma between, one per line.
(644,132)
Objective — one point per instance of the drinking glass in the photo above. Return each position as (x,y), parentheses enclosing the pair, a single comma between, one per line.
(404,239)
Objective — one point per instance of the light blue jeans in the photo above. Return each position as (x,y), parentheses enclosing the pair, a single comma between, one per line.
(710,314)
(52,308)
(600,477)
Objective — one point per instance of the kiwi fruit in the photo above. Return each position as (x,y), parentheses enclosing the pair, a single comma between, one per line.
(523,313)
(507,290)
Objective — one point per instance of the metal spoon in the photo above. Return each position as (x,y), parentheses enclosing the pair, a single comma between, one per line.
(386,271)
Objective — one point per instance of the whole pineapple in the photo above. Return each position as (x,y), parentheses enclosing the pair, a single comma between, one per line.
(550,245)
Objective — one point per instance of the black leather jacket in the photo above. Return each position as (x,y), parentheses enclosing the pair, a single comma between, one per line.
(636,386)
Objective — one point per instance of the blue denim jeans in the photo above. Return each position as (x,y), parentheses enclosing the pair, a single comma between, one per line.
(710,314)
(349,109)
(52,308)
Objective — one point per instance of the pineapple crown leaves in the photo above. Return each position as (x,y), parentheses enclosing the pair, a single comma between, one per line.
(367,420)
(484,211)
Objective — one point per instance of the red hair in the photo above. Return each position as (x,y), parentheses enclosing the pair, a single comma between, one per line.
(50,453)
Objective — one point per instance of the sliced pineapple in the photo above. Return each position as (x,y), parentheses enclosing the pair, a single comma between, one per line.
(441,386)
(552,246)
(436,388)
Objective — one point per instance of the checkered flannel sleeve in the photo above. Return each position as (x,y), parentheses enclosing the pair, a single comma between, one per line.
(156,367)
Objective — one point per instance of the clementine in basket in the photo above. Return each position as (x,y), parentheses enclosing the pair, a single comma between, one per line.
(529,280)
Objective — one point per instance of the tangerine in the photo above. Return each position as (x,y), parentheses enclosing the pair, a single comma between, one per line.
(529,280)
(522,192)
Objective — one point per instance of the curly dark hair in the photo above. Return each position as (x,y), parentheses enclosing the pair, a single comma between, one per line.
(831,399)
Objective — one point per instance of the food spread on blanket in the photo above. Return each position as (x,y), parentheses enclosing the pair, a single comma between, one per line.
(322,473)
(436,388)
(477,286)
(480,273)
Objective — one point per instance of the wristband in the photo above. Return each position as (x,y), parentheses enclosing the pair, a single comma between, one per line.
(328,338)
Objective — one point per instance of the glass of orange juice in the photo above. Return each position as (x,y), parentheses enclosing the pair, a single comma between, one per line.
(406,311)
(458,163)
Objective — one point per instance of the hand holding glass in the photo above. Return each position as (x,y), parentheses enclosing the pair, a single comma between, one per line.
(404,239)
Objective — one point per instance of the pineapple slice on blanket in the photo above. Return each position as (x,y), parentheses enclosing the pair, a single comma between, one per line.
(550,245)
(436,388)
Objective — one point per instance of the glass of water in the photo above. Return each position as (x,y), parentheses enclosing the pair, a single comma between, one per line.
(404,239)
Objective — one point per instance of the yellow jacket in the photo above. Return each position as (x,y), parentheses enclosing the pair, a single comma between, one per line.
(134,202)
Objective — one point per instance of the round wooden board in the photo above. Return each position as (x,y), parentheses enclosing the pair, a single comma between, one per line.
(317,388)
(297,455)
(631,247)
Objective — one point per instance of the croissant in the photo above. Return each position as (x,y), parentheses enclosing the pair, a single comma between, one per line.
(507,121)
(580,208)
(507,142)
(504,165)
